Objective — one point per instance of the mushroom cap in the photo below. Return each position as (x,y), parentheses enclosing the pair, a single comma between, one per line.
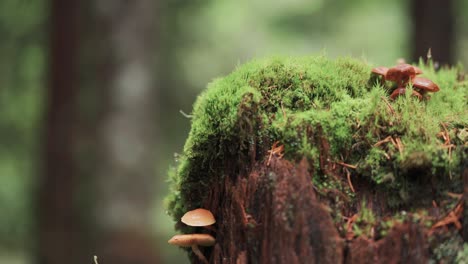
(397,92)
(417,70)
(402,73)
(425,84)
(198,217)
(189,240)
(380,70)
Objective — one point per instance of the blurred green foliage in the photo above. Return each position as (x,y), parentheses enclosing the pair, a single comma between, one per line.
(22,65)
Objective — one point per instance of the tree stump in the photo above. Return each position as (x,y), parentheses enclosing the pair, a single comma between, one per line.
(306,161)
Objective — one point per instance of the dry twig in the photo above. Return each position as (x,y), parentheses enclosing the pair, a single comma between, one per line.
(346,165)
(275,150)
(388,105)
(451,218)
(348,176)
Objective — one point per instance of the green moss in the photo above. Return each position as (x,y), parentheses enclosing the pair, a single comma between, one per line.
(462,255)
(451,250)
(365,222)
(301,102)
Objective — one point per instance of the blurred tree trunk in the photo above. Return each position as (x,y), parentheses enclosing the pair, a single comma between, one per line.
(126,133)
(58,227)
(433,24)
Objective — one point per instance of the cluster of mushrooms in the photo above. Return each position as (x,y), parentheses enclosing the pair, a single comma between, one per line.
(404,74)
(197,217)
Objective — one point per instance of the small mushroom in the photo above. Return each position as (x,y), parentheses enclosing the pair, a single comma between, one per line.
(417,70)
(402,73)
(397,92)
(425,84)
(193,241)
(198,217)
(380,71)
(401,91)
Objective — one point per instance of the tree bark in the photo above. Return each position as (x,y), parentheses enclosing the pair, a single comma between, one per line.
(433,27)
(58,227)
(261,222)
(273,214)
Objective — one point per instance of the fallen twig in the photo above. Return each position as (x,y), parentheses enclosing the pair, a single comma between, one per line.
(388,105)
(348,175)
(451,217)
(346,165)
(275,150)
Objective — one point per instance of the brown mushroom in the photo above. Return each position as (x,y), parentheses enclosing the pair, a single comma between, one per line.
(402,73)
(417,70)
(401,91)
(425,84)
(198,217)
(193,241)
(380,71)
(397,92)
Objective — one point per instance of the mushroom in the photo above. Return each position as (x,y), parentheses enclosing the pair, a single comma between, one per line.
(380,71)
(425,84)
(402,73)
(401,90)
(193,241)
(198,217)
(397,92)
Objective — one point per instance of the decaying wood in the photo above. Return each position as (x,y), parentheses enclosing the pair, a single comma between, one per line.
(272,215)
(406,243)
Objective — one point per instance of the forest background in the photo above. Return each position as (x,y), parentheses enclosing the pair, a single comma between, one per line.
(92,96)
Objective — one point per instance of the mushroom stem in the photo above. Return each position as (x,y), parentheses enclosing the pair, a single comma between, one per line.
(200,255)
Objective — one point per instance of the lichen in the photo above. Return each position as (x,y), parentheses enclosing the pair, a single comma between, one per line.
(320,108)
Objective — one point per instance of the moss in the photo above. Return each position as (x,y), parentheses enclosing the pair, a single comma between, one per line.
(462,255)
(365,222)
(313,103)
(451,250)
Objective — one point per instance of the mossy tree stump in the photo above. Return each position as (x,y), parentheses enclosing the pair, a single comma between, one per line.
(360,180)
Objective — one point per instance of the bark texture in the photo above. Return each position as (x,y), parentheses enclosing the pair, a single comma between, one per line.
(406,243)
(273,215)
(263,223)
